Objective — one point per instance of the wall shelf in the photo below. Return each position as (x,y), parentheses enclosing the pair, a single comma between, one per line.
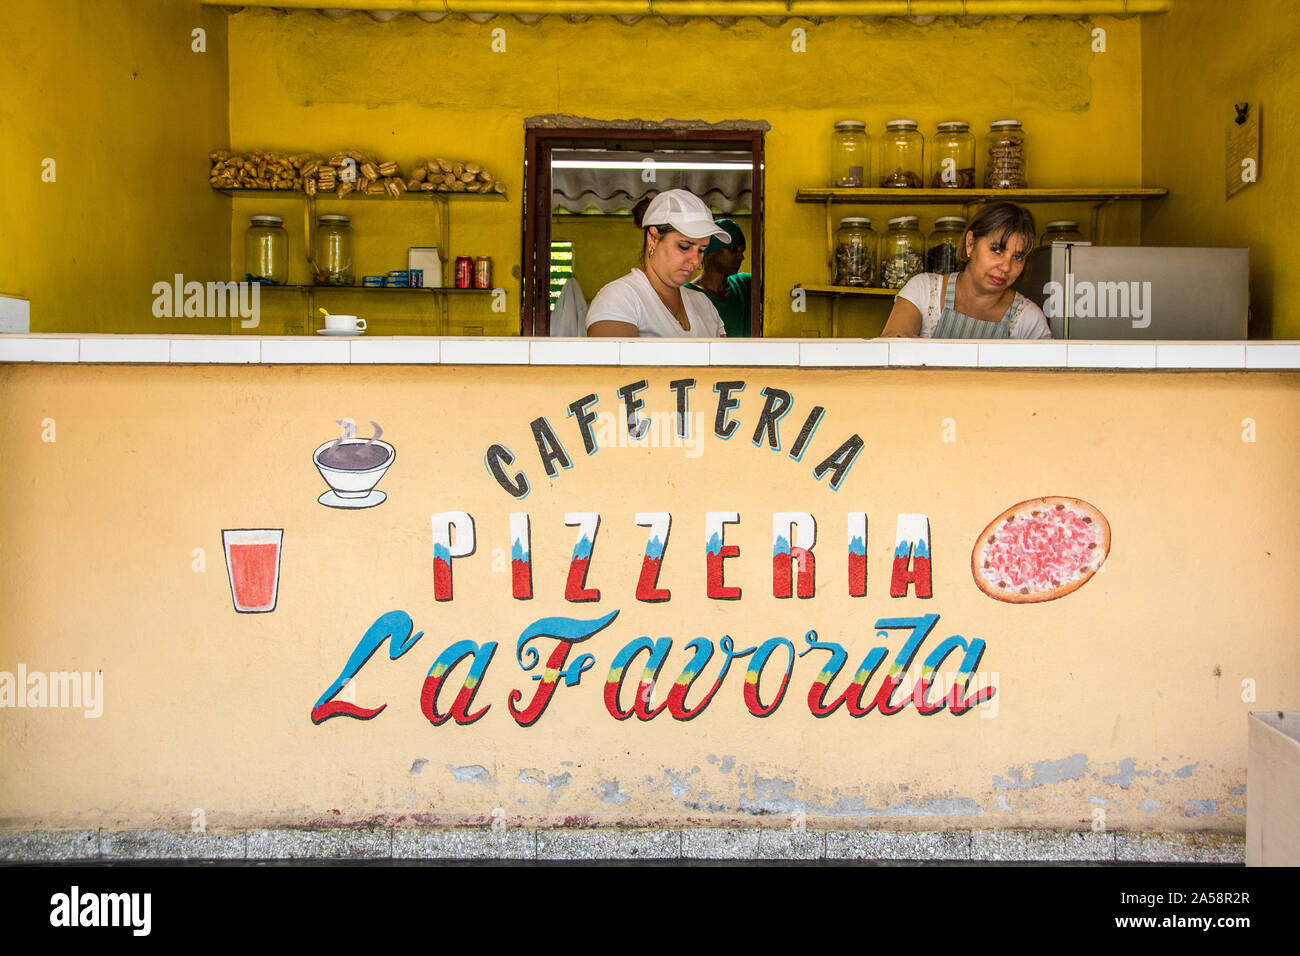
(1099,197)
(410,194)
(967,199)
(440,200)
(438,290)
(845,290)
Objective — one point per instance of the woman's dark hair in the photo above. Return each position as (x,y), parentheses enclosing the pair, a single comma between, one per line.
(1000,221)
(638,213)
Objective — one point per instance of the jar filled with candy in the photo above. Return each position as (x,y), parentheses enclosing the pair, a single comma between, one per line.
(855,253)
(952,156)
(1061,230)
(902,252)
(902,155)
(1006,156)
(941,248)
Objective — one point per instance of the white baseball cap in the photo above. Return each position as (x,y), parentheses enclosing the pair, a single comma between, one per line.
(686,213)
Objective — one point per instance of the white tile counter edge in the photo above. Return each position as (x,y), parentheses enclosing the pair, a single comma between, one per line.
(1257,355)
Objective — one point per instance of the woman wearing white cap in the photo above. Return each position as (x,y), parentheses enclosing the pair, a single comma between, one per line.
(650,300)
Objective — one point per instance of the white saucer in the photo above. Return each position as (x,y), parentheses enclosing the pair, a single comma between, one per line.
(340,331)
(331,500)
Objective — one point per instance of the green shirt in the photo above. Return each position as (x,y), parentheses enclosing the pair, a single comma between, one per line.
(733,307)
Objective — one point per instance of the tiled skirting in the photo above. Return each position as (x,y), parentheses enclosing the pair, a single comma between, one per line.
(1256,355)
(959,846)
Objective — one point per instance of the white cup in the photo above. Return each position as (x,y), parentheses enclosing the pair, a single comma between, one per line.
(345,323)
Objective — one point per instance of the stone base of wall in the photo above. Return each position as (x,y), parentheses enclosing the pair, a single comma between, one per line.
(960,846)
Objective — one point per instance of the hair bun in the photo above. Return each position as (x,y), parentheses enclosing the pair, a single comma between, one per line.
(638,211)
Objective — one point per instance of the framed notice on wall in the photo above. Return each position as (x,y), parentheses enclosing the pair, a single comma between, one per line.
(1242,166)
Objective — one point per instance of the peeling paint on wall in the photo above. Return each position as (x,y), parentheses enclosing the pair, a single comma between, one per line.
(611,792)
(473,774)
(1128,772)
(555,783)
(1044,773)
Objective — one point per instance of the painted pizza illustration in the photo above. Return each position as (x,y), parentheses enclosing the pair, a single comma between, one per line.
(1040,550)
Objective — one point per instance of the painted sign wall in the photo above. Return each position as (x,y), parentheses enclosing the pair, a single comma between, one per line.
(625,596)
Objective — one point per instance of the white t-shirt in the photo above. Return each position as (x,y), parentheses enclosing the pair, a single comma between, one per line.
(925,292)
(632,299)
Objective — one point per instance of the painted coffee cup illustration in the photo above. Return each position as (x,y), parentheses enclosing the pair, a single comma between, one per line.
(352,467)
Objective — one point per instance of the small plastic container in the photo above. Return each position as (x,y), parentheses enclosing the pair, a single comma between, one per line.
(942,247)
(1006,156)
(266,250)
(902,155)
(855,253)
(332,250)
(902,252)
(850,154)
(952,156)
(1060,230)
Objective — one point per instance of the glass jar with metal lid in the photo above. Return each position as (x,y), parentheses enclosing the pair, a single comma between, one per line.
(1006,156)
(902,155)
(332,250)
(855,253)
(850,154)
(942,246)
(266,250)
(1061,230)
(902,252)
(952,156)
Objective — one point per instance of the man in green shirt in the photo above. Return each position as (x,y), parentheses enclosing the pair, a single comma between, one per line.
(727,289)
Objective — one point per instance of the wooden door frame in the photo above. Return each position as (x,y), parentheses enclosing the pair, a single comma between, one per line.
(534,312)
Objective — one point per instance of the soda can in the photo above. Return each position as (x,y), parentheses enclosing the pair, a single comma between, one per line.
(483,272)
(464,272)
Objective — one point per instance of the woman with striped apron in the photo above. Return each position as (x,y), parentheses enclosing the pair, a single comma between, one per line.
(996,244)
(955,325)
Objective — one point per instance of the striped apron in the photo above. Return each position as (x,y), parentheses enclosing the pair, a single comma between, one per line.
(955,325)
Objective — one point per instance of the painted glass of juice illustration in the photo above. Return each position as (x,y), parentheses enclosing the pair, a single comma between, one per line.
(253,560)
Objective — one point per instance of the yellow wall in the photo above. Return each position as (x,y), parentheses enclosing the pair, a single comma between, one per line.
(112,92)
(1198,61)
(116,97)
(1127,696)
(407,89)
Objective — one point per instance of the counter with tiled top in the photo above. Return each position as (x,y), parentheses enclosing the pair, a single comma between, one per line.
(1259,355)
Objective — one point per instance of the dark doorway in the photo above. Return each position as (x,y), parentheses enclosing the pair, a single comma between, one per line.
(670,146)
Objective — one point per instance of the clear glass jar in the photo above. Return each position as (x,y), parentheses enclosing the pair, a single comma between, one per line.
(1061,230)
(266,250)
(332,250)
(952,156)
(850,154)
(902,155)
(941,248)
(855,253)
(902,252)
(1006,156)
